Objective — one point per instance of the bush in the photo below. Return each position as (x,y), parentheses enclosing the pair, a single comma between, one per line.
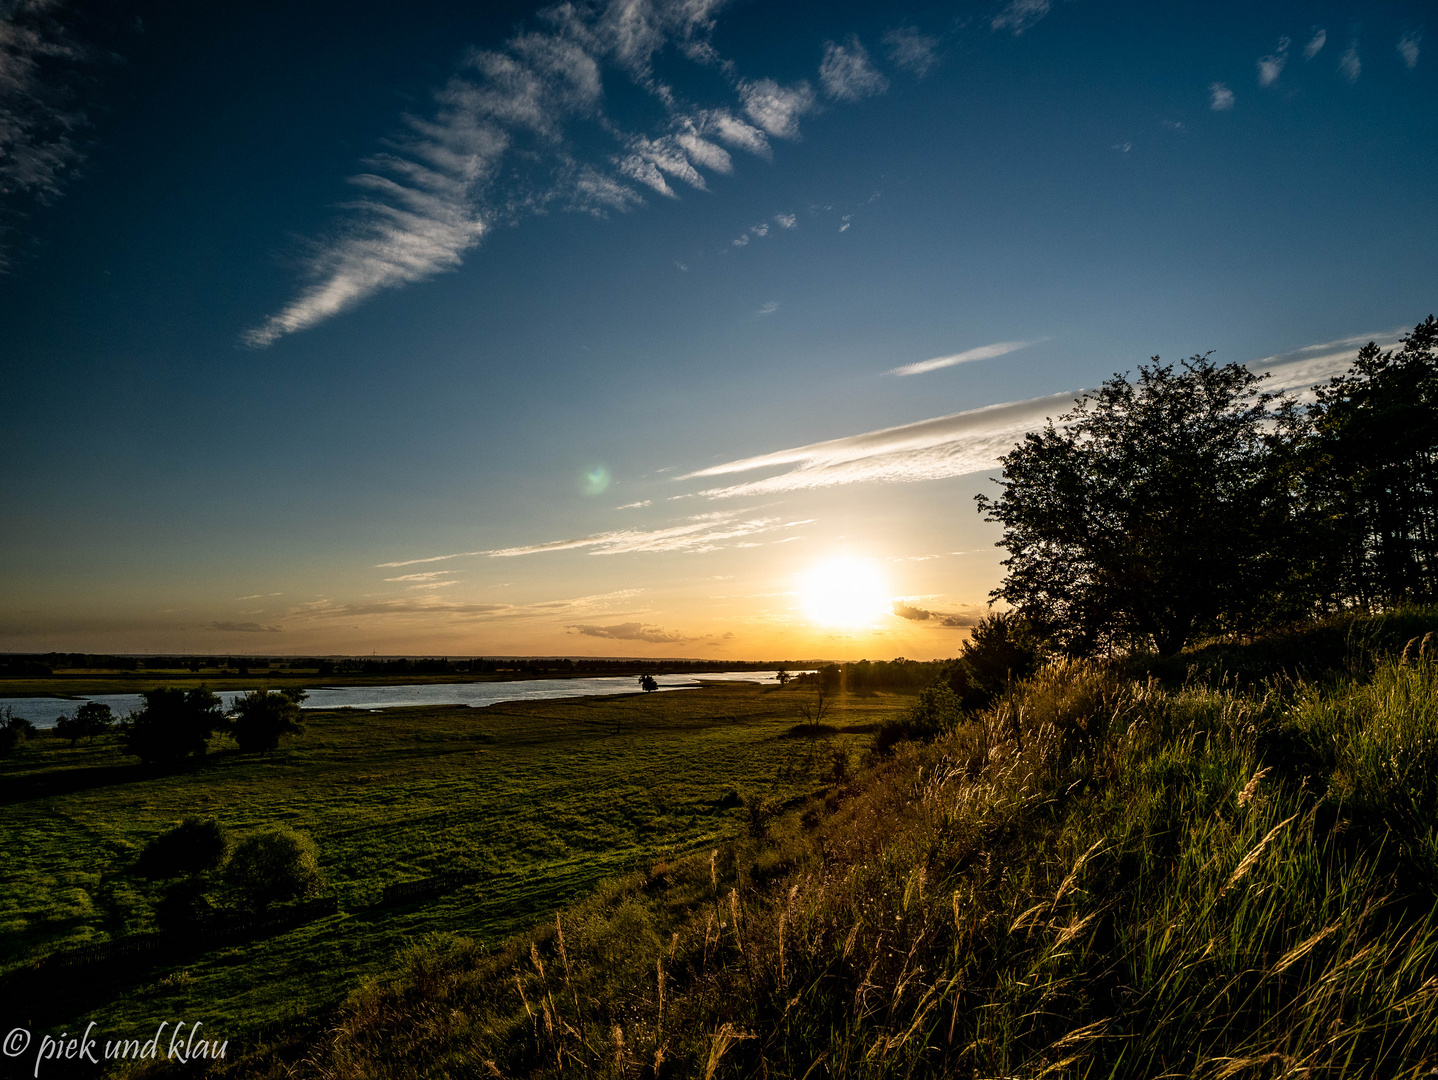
(184,906)
(937,712)
(193,846)
(14,730)
(274,865)
(262,716)
(90,719)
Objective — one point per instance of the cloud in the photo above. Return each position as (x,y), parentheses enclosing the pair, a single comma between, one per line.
(776,108)
(1350,66)
(1020,15)
(431,607)
(983,352)
(1315,43)
(630,631)
(1122,148)
(974,440)
(416,217)
(1271,66)
(908,611)
(762,229)
(846,73)
(968,617)
(768,308)
(243,628)
(786,221)
(428,575)
(40,121)
(741,241)
(704,532)
(496,145)
(1220,97)
(635,505)
(1408,47)
(911,50)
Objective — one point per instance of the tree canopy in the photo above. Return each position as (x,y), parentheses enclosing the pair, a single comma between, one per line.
(262,716)
(1152,511)
(172,725)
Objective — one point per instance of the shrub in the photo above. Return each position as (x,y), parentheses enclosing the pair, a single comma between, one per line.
(14,730)
(184,906)
(262,716)
(274,865)
(90,719)
(193,846)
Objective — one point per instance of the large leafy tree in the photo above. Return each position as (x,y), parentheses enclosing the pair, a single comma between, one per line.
(1375,473)
(1153,511)
(172,725)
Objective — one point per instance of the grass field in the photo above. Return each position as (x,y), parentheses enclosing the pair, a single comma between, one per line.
(541,799)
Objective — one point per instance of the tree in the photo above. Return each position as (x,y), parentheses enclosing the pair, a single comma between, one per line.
(1002,648)
(90,719)
(262,716)
(648,683)
(782,677)
(1375,473)
(14,730)
(194,846)
(1153,511)
(273,865)
(172,725)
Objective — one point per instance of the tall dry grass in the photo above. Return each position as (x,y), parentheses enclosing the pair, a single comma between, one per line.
(1096,878)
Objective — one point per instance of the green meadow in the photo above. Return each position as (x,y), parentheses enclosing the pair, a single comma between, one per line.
(536,802)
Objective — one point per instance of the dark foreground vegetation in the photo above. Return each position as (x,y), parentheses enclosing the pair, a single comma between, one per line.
(1101,875)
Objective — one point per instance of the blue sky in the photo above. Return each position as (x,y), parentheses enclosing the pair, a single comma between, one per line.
(597,307)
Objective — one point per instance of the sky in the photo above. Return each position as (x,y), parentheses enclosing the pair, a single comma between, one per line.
(640,327)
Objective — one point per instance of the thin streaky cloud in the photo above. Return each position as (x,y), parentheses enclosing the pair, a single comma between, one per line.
(1315,43)
(911,50)
(427,575)
(495,147)
(635,505)
(1271,67)
(705,532)
(983,352)
(1020,15)
(846,73)
(40,120)
(1220,97)
(1408,48)
(243,628)
(1351,65)
(974,440)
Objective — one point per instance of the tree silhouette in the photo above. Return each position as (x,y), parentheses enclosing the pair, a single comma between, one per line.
(262,716)
(648,683)
(1152,511)
(172,725)
(1375,474)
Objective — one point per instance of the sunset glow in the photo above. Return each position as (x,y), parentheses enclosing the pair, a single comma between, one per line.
(844,594)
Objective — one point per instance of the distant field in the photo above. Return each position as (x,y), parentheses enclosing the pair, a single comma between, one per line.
(540,799)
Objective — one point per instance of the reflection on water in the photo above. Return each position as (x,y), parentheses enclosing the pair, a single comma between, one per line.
(43,712)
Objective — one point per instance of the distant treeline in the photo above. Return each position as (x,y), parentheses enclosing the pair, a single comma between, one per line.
(47,663)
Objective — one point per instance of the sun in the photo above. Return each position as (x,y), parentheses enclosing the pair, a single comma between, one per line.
(844,592)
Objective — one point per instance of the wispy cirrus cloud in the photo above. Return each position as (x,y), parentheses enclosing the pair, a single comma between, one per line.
(703,532)
(1315,43)
(1020,15)
(911,49)
(1220,97)
(1408,48)
(243,628)
(40,119)
(1350,65)
(846,72)
(434,192)
(983,352)
(974,440)
(428,607)
(1270,67)
(630,631)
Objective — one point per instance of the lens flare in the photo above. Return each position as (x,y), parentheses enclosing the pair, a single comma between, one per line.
(844,593)
(595,481)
